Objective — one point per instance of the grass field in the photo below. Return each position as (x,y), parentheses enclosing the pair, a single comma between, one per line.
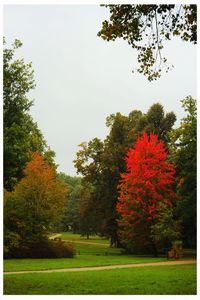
(78,261)
(158,280)
(98,246)
(76,237)
(144,280)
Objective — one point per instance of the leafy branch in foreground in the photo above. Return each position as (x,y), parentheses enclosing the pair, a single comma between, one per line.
(147,27)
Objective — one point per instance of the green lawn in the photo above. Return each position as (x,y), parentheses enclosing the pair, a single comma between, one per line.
(144,280)
(158,280)
(96,249)
(78,261)
(77,237)
(99,246)
(91,255)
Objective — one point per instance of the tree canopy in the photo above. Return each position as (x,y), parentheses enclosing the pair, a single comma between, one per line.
(147,27)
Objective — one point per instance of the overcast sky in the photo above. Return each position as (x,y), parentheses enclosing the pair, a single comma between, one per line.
(81,79)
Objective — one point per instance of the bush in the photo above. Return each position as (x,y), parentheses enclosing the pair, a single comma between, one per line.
(62,249)
(11,243)
(52,249)
(42,248)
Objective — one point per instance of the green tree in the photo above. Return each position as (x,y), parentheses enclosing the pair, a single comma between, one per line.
(87,212)
(115,145)
(184,155)
(21,133)
(167,229)
(71,210)
(147,27)
(88,163)
(158,122)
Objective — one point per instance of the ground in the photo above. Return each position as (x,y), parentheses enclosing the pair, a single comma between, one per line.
(135,275)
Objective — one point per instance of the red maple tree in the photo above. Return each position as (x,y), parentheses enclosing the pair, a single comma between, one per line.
(143,190)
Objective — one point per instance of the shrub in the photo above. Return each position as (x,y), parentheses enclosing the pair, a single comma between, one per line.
(41,248)
(11,243)
(62,249)
(52,249)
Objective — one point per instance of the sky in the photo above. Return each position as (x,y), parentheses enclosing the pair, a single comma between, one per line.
(81,79)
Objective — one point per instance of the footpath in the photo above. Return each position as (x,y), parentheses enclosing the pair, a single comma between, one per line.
(83,269)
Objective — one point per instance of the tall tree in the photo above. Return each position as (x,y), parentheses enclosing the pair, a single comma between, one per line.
(147,27)
(21,133)
(143,190)
(184,155)
(88,162)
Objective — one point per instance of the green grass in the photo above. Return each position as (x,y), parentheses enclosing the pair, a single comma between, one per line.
(77,237)
(158,280)
(143,280)
(99,246)
(91,255)
(96,249)
(104,249)
(78,261)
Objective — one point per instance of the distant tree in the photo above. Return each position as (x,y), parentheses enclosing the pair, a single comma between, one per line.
(35,205)
(159,122)
(88,163)
(184,155)
(87,212)
(71,209)
(147,27)
(21,133)
(143,190)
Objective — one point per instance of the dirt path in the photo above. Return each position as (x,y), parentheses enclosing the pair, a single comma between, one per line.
(54,236)
(89,243)
(164,263)
(77,242)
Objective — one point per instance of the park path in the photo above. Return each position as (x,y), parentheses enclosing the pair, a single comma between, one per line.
(77,242)
(164,263)
(89,243)
(55,236)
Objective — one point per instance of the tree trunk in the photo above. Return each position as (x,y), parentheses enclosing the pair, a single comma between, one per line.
(114,241)
(155,252)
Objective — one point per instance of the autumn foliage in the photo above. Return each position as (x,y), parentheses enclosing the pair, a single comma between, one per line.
(32,209)
(43,193)
(144,190)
